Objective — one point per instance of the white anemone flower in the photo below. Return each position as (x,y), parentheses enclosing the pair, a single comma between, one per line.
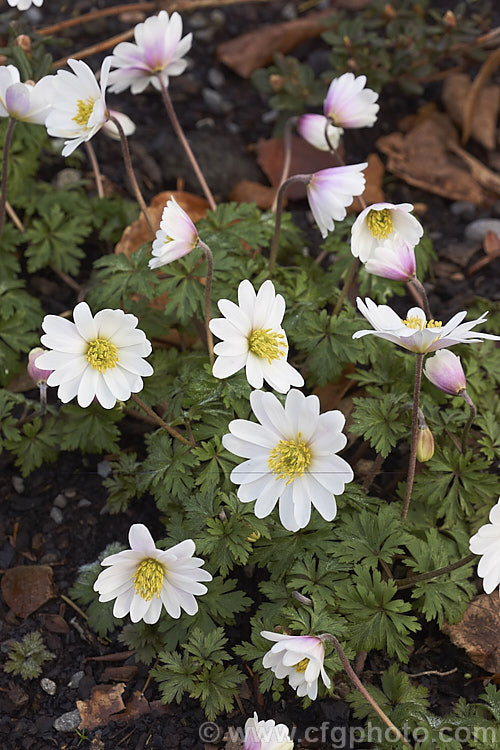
(24,4)
(78,109)
(393,260)
(144,579)
(252,337)
(329,191)
(415,332)
(445,371)
(312,128)
(292,457)
(298,657)
(380,222)
(176,237)
(487,544)
(348,104)
(157,53)
(95,357)
(26,102)
(266,735)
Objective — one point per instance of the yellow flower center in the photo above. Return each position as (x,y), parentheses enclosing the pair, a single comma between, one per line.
(301,666)
(289,459)
(148,579)
(380,223)
(102,355)
(85,109)
(266,343)
(418,324)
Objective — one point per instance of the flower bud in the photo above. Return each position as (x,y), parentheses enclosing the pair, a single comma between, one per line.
(36,374)
(393,260)
(445,371)
(389,12)
(450,19)
(110,129)
(24,42)
(425,444)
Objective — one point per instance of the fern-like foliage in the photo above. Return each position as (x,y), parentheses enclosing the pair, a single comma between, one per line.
(25,658)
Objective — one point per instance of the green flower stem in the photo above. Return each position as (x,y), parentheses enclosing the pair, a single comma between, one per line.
(408,583)
(131,174)
(359,686)
(280,196)
(208,292)
(187,148)
(414,433)
(5,155)
(472,416)
(171,430)
(95,167)
(287,145)
(414,285)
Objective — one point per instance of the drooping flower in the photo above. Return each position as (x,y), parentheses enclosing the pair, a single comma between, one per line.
(312,129)
(37,375)
(348,104)
(329,191)
(266,735)
(487,544)
(298,657)
(143,579)
(109,128)
(415,332)
(99,356)
(292,457)
(445,371)
(78,109)
(157,53)
(176,237)
(26,102)
(393,260)
(24,4)
(252,337)
(380,222)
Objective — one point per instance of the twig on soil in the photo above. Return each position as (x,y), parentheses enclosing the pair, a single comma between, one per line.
(433,671)
(75,606)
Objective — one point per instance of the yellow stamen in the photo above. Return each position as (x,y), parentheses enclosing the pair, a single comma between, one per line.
(290,459)
(85,109)
(266,343)
(301,666)
(102,355)
(418,324)
(148,579)
(380,223)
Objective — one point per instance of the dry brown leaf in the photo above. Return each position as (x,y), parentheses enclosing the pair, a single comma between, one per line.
(137,706)
(478,630)
(331,394)
(104,701)
(247,191)
(422,158)
(27,587)
(456,93)
(138,233)
(487,69)
(56,624)
(484,176)
(374,174)
(120,674)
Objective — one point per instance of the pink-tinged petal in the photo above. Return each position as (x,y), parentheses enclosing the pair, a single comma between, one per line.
(17,100)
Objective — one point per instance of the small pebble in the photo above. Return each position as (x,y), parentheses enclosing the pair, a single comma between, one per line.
(216,78)
(48,686)
(68,722)
(70,493)
(198,20)
(67,177)
(465,209)
(205,122)
(60,501)
(83,503)
(217,18)
(18,484)
(478,229)
(56,515)
(270,116)
(289,12)
(205,35)
(216,102)
(104,469)
(49,557)
(75,680)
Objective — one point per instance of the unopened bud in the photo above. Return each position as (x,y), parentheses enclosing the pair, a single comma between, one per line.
(389,12)
(445,371)
(24,42)
(450,19)
(425,445)
(109,127)
(38,375)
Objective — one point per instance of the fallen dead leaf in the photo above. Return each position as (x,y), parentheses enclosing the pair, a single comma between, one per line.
(422,158)
(491,246)
(119,674)
(485,72)
(137,706)
(247,191)
(27,587)
(105,700)
(477,632)
(138,233)
(331,394)
(484,176)
(456,94)
(374,174)
(56,624)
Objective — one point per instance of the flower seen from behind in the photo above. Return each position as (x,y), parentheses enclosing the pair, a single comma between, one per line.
(487,544)
(312,128)
(291,457)
(383,222)
(143,579)
(26,102)
(445,371)
(176,237)
(78,109)
(95,357)
(298,657)
(252,337)
(329,191)
(393,260)
(109,128)
(157,53)
(415,332)
(266,735)
(348,104)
